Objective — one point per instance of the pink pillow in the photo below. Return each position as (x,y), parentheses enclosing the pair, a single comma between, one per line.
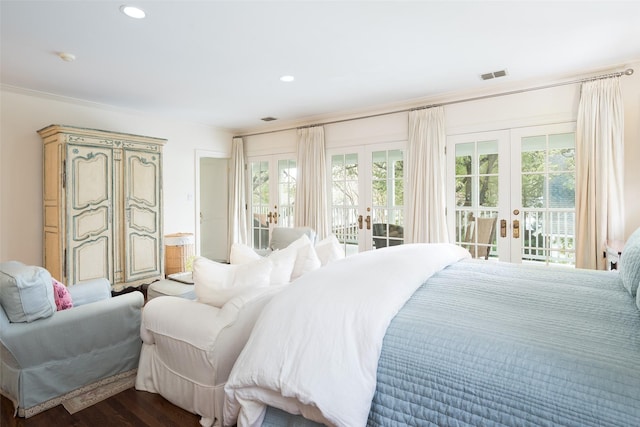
(61,295)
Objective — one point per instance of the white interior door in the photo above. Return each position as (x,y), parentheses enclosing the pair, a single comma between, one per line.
(272,181)
(524,181)
(213,208)
(211,195)
(367,196)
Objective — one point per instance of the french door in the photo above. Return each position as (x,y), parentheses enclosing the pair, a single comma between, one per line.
(511,193)
(272,181)
(367,196)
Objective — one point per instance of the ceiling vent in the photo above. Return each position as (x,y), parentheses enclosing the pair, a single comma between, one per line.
(268,119)
(494,75)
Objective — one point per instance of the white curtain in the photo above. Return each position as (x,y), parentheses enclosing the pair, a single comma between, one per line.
(425,179)
(599,171)
(237,195)
(311,187)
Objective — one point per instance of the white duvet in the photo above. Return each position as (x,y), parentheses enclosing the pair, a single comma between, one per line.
(314,350)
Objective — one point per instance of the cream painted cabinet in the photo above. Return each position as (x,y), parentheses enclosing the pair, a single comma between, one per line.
(102,206)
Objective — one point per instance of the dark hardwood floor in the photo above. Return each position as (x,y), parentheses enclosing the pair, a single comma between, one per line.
(129,408)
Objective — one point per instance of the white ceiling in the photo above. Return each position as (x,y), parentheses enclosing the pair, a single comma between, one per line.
(219,62)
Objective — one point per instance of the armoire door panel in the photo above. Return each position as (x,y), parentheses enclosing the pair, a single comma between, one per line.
(91,259)
(141,180)
(91,223)
(91,172)
(144,259)
(142,219)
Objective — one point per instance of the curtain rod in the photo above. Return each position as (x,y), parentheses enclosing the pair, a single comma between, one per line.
(627,72)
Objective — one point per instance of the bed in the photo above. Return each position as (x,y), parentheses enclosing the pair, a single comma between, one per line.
(475,343)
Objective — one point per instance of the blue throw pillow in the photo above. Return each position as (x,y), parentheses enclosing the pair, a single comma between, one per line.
(629,264)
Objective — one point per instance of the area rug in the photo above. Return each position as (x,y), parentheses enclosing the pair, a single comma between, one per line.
(94,393)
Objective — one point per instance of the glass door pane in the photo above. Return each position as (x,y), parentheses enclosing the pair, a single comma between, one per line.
(547,176)
(477,196)
(260,213)
(287,173)
(344,176)
(387,191)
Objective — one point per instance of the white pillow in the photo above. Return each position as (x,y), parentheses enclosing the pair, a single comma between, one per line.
(329,250)
(283,261)
(216,283)
(306,259)
(242,254)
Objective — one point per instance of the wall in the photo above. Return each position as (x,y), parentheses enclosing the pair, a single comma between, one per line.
(545,106)
(22,114)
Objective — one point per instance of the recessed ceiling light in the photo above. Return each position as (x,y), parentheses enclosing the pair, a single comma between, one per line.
(287,79)
(66,56)
(133,12)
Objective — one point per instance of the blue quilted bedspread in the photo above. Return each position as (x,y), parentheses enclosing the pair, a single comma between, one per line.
(498,344)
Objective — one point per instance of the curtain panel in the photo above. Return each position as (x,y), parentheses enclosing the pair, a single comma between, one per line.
(311,191)
(426,178)
(237,195)
(599,171)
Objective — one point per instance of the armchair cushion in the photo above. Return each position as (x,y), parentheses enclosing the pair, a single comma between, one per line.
(90,291)
(26,292)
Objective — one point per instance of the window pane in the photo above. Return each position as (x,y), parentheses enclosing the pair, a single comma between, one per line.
(379,166)
(399,193)
(488,157)
(379,189)
(337,168)
(562,190)
(533,191)
(562,159)
(351,166)
(488,191)
(534,150)
(463,191)
(398,163)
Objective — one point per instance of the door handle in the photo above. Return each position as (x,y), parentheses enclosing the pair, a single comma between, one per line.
(368,221)
(275,214)
(516,229)
(503,228)
(360,222)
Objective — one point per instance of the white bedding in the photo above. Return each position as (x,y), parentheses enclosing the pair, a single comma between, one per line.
(314,350)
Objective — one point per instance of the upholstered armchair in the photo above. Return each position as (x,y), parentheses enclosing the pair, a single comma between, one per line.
(46,354)
(281,237)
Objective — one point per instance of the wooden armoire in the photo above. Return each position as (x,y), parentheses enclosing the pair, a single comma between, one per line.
(102,196)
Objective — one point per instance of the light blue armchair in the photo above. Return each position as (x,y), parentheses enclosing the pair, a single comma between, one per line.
(43,360)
